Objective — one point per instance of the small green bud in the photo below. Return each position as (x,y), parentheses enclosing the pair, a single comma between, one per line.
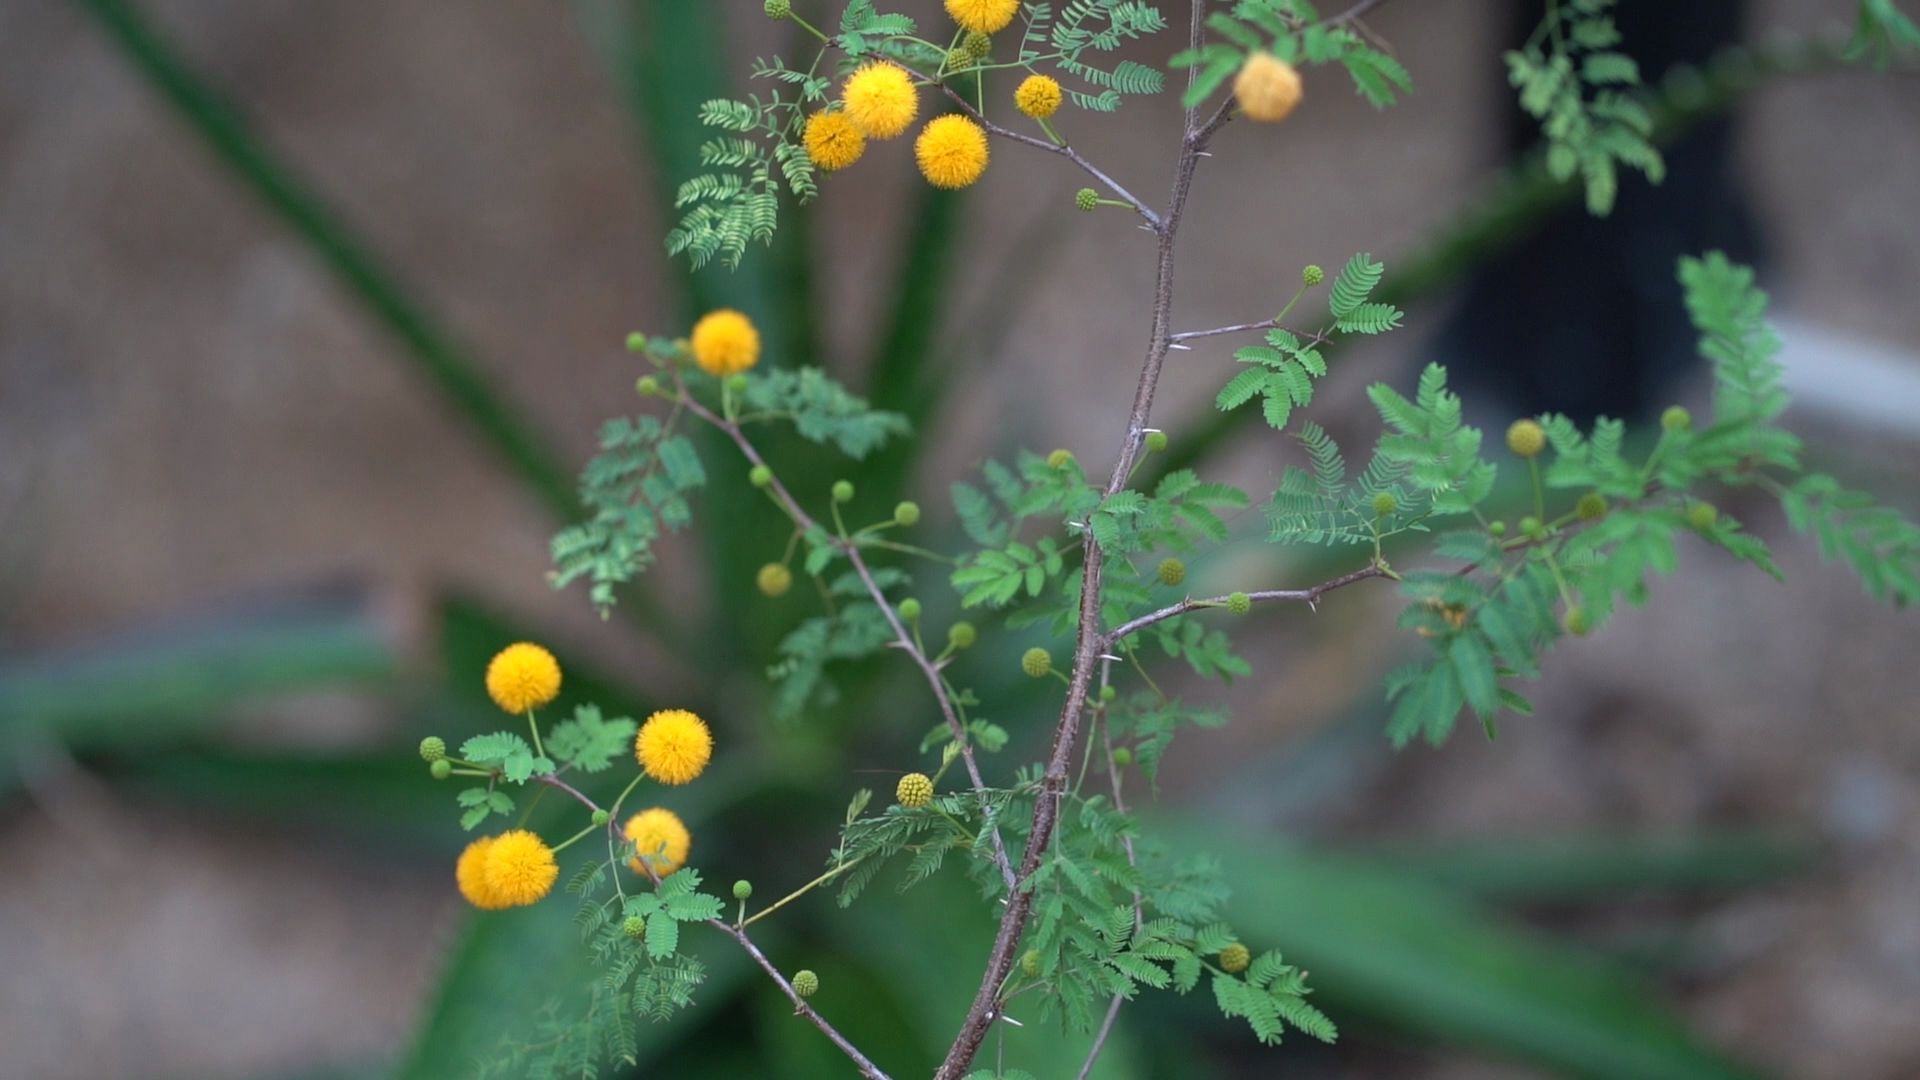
(634,926)
(1036,662)
(774,579)
(906,514)
(1497,528)
(1384,503)
(441,769)
(646,386)
(743,889)
(1172,571)
(1030,963)
(1239,603)
(737,384)
(1575,622)
(778,9)
(1526,438)
(914,791)
(636,342)
(1122,756)
(433,748)
(760,477)
(959,60)
(1530,526)
(805,983)
(978,45)
(1235,958)
(1108,693)
(842,491)
(910,609)
(1086,199)
(1311,275)
(1676,419)
(1156,441)
(961,635)
(1702,515)
(1591,507)
(1060,458)
(600,817)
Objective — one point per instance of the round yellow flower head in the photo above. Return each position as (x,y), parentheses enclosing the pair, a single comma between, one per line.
(773,580)
(1267,87)
(914,791)
(673,746)
(983,16)
(1526,438)
(1037,96)
(523,676)
(952,151)
(469,873)
(660,840)
(881,99)
(519,868)
(1235,958)
(833,141)
(725,343)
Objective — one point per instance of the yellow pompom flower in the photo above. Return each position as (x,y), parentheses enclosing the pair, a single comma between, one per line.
(1038,96)
(470,874)
(983,16)
(673,746)
(519,868)
(952,151)
(881,99)
(725,343)
(914,791)
(1267,87)
(660,840)
(833,141)
(523,676)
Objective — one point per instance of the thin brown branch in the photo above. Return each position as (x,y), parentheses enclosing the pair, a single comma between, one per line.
(903,638)
(1354,13)
(800,1007)
(1308,596)
(1068,152)
(1139,913)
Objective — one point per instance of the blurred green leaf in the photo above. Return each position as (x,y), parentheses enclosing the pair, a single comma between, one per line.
(1552,868)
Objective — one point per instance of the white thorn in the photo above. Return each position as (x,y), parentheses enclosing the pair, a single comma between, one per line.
(1182,348)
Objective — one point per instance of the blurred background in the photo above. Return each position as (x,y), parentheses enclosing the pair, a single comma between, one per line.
(309,312)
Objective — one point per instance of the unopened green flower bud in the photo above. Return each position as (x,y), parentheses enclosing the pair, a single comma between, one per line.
(1108,693)
(1086,199)
(805,983)
(441,769)
(1526,438)
(1235,958)
(1030,963)
(1311,275)
(774,579)
(600,817)
(959,60)
(646,386)
(910,609)
(842,491)
(1239,603)
(1575,622)
(778,9)
(1591,507)
(636,342)
(978,45)
(737,384)
(1122,756)
(1172,571)
(1036,662)
(1384,503)
(1060,458)
(1497,528)
(760,477)
(1703,515)
(743,889)
(1676,419)
(634,926)
(961,635)
(1530,526)
(433,748)
(1156,441)
(906,514)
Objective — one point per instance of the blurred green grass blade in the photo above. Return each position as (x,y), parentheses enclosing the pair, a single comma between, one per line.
(1557,868)
(1392,948)
(226,132)
(175,677)
(902,375)
(1519,201)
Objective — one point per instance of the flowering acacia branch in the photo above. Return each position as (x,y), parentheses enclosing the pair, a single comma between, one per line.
(903,638)
(1154,222)
(800,1007)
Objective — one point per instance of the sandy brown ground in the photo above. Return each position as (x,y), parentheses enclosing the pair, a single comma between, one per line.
(189,409)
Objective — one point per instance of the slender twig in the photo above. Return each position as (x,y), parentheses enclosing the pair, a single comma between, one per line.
(800,1007)
(1309,596)
(1065,151)
(1353,13)
(902,635)
(1196,134)
(1139,912)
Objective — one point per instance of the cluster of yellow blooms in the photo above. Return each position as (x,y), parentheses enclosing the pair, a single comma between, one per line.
(880,101)
(673,747)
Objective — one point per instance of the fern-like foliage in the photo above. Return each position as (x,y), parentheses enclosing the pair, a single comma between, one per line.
(821,410)
(635,486)
(1572,79)
(1881,33)
(1294,31)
